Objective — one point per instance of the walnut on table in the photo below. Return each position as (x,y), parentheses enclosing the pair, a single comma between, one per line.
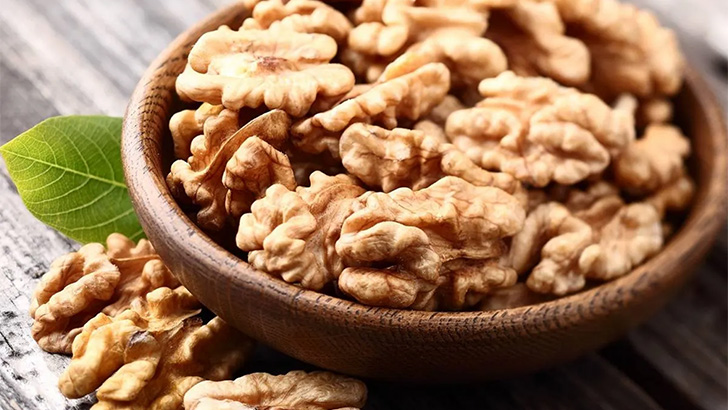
(276,68)
(395,244)
(92,280)
(294,390)
(291,234)
(304,16)
(630,51)
(410,97)
(148,356)
(540,132)
(533,38)
(200,179)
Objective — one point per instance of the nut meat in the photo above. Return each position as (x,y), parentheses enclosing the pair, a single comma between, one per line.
(148,356)
(435,154)
(294,390)
(92,280)
(540,132)
(279,69)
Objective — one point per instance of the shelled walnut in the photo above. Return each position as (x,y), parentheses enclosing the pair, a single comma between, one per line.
(433,154)
(538,131)
(293,390)
(149,355)
(202,178)
(277,68)
(92,280)
(396,244)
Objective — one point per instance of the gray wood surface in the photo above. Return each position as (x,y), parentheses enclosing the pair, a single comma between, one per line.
(84,56)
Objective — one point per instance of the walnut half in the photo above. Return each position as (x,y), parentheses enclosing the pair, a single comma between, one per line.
(82,284)
(293,390)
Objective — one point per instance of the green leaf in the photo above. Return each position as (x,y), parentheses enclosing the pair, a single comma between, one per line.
(68,172)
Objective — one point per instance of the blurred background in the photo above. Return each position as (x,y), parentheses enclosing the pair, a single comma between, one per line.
(66,57)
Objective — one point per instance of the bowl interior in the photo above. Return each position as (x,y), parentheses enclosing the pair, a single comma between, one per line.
(345,336)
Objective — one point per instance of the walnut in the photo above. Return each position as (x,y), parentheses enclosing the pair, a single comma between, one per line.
(367,68)
(387,26)
(200,179)
(410,97)
(291,234)
(188,124)
(470,59)
(653,161)
(675,196)
(441,111)
(279,69)
(81,284)
(469,282)
(431,129)
(304,16)
(532,36)
(395,244)
(407,158)
(552,239)
(148,356)
(632,235)
(538,131)
(654,111)
(630,51)
(294,390)
(255,166)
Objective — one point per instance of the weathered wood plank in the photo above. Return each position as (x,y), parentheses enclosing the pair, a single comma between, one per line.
(85,56)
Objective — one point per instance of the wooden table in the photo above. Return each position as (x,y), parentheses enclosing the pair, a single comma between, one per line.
(66,57)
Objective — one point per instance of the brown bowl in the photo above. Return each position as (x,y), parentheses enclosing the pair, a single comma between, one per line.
(350,338)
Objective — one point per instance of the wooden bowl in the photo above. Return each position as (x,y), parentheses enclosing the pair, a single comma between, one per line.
(350,338)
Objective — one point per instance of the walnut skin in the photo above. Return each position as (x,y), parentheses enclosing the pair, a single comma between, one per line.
(379,238)
(538,131)
(303,16)
(552,239)
(532,36)
(279,69)
(630,51)
(200,179)
(653,161)
(81,284)
(410,96)
(292,234)
(387,160)
(294,390)
(148,356)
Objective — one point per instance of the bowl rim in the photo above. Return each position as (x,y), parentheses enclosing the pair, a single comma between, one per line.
(706,218)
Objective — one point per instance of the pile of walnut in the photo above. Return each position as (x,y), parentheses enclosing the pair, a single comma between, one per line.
(139,342)
(435,154)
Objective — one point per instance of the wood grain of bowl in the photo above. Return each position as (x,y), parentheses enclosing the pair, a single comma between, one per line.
(347,337)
